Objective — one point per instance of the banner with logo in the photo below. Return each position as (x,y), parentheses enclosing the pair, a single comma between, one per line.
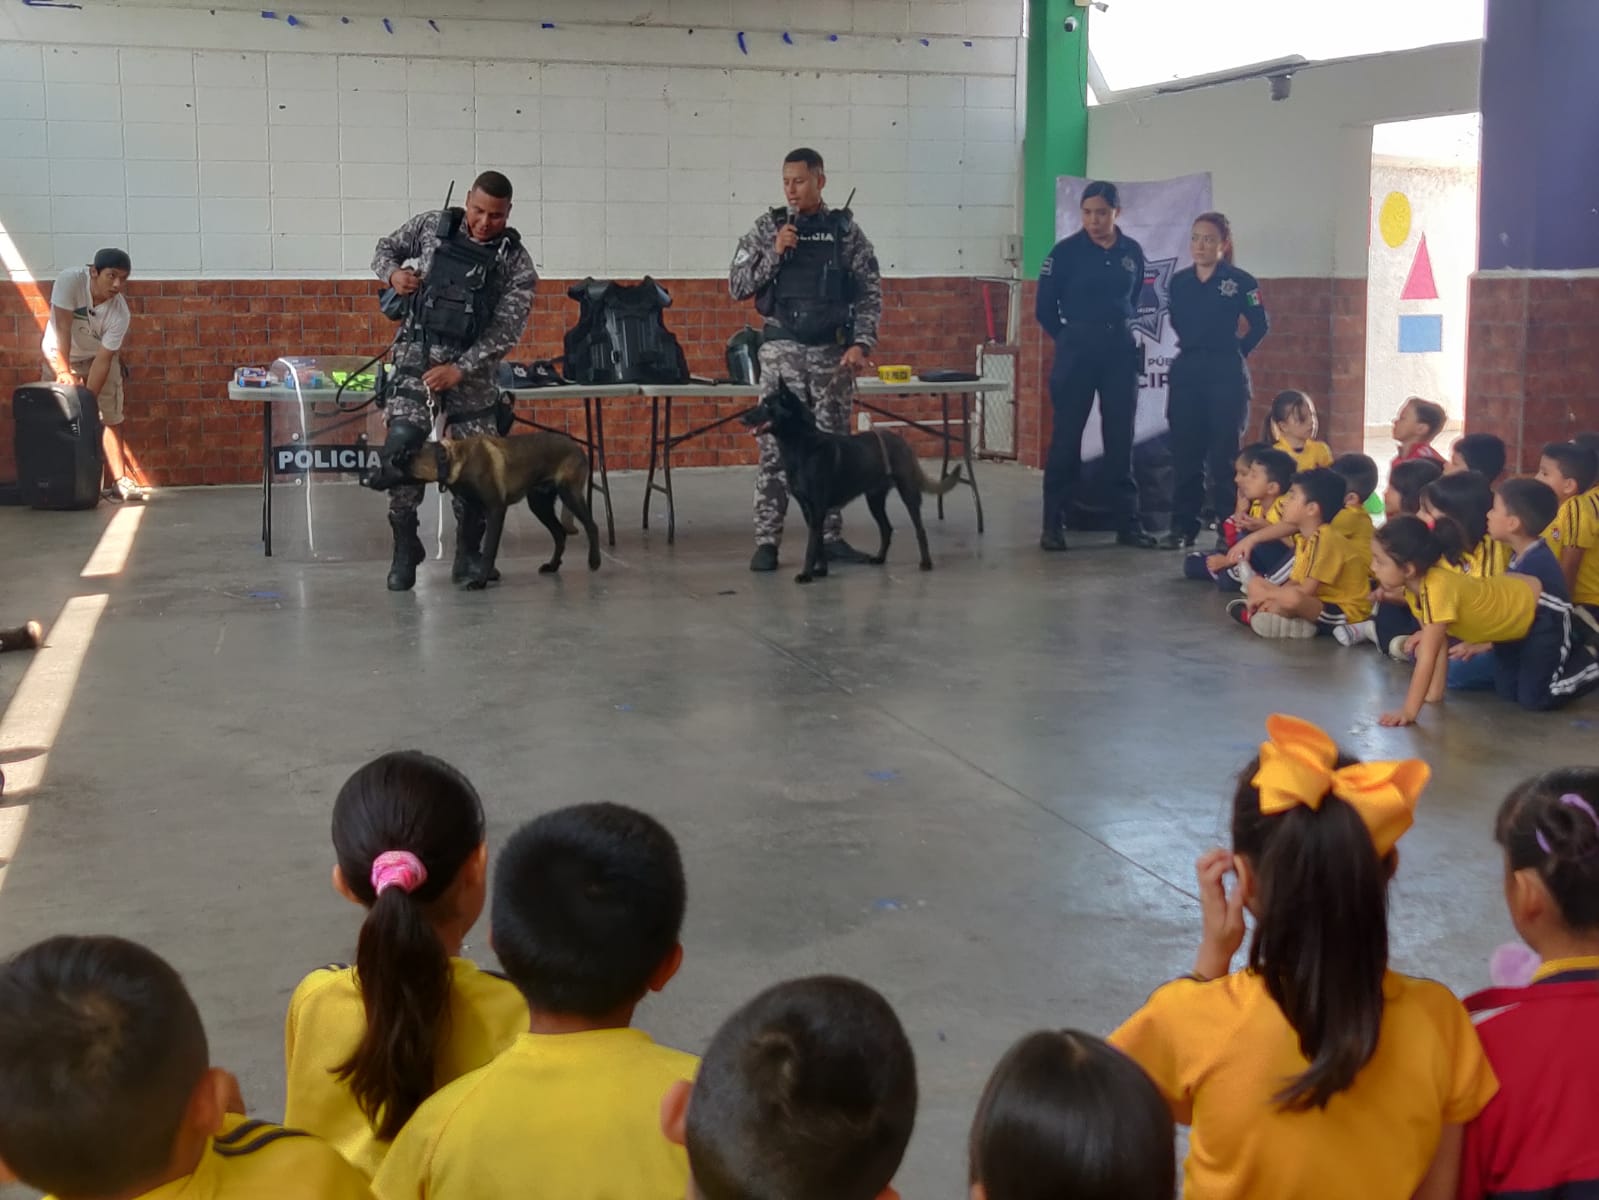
(1158,215)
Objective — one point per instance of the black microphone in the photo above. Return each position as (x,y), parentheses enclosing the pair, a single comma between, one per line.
(793,217)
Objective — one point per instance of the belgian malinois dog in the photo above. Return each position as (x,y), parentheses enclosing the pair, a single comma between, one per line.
(827,470)
(497,472)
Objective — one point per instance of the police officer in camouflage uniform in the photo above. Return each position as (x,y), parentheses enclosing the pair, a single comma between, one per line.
(815,279)
(470,283)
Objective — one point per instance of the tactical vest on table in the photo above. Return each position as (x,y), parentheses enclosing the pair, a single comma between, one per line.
(464,284)
(810,301)
(620,335)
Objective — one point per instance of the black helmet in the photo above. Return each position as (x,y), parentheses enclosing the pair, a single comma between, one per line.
(743,356)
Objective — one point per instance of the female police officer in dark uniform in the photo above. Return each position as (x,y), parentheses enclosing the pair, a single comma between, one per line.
(1208,399)
(1087,293)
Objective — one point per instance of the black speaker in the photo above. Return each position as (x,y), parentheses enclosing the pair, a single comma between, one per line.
(57,446)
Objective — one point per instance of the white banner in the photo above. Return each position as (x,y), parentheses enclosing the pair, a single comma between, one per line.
(1158,215)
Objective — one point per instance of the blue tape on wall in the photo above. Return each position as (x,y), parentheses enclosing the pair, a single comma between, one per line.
(1421,333)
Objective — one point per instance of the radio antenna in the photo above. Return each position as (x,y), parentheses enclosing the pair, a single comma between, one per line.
(451,192)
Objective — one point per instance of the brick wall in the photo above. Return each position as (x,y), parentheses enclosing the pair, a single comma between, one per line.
(1532,360)
(1317,344)
(188,335)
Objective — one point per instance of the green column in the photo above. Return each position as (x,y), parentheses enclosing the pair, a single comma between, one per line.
(1057,119)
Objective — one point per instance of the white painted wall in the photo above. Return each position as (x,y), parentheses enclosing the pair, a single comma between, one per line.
(1292,175)
(640,138)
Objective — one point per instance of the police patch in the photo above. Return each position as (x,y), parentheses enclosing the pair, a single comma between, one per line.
(1129,264)
(1253,298)
(1047,267)
(1228,287)
(742,257)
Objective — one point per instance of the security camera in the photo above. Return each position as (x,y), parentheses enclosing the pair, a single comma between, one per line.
(1070,25)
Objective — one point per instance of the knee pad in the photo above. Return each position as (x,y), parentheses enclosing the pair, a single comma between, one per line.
(404,439)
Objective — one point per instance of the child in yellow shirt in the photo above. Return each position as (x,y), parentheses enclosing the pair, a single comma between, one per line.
(1572,469)
(1291,427)
(588,904)
(1317,1072)
(1066,1114)
(1328,585)
(107,1091)
(1539,661)
(806,1092)
(1263,475)
(364,1046)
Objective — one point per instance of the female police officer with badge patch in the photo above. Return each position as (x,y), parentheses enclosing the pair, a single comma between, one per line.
(1087,295)
(1208,401)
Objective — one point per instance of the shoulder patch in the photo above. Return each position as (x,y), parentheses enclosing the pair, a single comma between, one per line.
(1252,298)
(250,1137)
(1047,267)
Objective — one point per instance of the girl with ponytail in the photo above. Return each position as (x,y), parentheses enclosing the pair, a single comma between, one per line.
(1316,1071)
(366,1045)
(1541,660)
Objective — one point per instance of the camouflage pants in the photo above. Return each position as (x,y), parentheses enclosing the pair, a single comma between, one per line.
(812,373)
(410,403)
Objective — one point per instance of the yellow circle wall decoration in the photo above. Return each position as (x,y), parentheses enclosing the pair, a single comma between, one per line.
(1393,219)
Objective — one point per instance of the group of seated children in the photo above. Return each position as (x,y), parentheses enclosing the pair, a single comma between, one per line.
(1481,586)
(1315,1071)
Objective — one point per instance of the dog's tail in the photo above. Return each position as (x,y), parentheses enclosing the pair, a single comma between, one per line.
(941,486)
(574,473)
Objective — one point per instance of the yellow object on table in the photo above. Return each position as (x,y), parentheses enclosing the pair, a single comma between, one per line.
(894,374)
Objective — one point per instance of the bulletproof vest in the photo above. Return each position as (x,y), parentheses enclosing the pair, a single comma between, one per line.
(463,285)
(620,335)
(810,298)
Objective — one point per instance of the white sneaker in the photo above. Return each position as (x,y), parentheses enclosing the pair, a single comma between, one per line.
(1275,625)
(1396,648)
(126,489)
(1354,635)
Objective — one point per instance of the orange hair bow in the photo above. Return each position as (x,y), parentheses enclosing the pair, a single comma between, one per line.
(1297,767)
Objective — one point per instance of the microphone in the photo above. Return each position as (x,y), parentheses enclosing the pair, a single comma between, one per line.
(793,217)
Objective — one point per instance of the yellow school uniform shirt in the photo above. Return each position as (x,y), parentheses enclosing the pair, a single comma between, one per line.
(1576,527)
(1488,558)
(1220,1051)
(572,1116)
(326,1022)
(255,1160)
(1270,513)
(1327,557)
(1355,524)
(1497,609)
(1315,454)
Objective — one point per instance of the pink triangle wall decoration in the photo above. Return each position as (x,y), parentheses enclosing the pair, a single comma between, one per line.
(1419,284)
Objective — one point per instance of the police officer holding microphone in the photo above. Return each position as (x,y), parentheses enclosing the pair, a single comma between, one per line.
(1208,401)
(1087,294)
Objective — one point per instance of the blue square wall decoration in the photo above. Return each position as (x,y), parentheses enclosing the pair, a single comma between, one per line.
(1421,333)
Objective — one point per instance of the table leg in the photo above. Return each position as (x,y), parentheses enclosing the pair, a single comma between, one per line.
(597,440)
(944,470)
(655,445)
(968,458)
(666,474)
(266,477)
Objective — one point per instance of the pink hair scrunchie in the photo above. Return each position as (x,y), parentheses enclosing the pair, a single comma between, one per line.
(397,868)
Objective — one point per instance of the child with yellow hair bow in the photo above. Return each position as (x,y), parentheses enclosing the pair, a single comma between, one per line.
(1316,1071)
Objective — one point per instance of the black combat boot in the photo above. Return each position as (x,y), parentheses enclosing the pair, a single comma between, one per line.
(408,552)
(469,549)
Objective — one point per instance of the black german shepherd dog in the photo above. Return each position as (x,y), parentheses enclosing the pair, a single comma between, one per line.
(827,470)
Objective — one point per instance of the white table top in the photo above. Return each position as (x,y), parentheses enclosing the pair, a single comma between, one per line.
(865,386)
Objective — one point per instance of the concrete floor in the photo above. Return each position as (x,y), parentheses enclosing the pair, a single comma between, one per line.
(980,789)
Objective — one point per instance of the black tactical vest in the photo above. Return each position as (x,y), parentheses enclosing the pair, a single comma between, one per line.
(464,283)
(811,296)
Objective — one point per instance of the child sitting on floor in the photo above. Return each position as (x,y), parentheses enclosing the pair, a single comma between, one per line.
(1291,427)
(1521,508)
(1317,1073)
(807,1092)
(1328,584)
(1535,1138)
(366,1045)
(1264,475)
(1359,474)
(107,1089)
(1405,481)
(1483,453)
(1465,498)
(1066,1115)
(1416,424)
(1572,470)
(1539,662)
(588,904)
